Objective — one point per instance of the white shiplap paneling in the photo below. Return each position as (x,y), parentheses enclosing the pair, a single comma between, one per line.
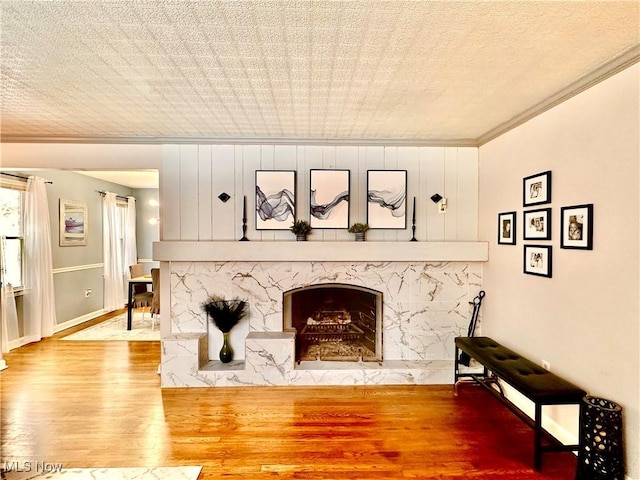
(170,193)
(189,212)
(433,158)
(467,195)
(205,199)
(223,170)
(193,176)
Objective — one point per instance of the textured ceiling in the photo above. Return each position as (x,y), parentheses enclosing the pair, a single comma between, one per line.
(309,71)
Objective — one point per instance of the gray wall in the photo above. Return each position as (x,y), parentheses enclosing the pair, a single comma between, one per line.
(79,268)
(146,233)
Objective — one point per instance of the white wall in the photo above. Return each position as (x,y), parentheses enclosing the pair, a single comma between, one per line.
(78,156)
(192,177)
(584,320)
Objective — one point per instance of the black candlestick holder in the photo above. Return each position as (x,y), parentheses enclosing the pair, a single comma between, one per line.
(244,220)
(244,231)
(413,222)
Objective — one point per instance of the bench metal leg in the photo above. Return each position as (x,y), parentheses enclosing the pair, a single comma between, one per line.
(456,371)
(537,438)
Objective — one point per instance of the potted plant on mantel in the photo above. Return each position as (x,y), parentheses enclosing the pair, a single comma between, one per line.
(301,229)
(225,314)
(359,229)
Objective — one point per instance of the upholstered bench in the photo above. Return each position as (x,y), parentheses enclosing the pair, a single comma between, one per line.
(534,382)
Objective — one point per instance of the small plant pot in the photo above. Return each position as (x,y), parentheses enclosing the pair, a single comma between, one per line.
(301,237)
(359,236)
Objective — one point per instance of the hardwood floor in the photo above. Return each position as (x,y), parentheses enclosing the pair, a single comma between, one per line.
(99,404)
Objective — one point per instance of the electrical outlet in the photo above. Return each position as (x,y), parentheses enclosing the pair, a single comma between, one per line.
(546,365)
(87,293)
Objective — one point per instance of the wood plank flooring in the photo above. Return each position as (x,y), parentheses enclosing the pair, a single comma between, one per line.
(99,404)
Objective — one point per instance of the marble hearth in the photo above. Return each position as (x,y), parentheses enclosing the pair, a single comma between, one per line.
(425,304)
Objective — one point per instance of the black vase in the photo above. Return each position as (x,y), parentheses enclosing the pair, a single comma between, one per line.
(226,352)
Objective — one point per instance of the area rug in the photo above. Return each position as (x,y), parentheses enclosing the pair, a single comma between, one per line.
(116,329)
(43,471)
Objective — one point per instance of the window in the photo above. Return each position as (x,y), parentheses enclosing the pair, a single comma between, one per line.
(12,235)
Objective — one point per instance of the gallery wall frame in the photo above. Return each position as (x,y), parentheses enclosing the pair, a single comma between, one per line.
(536,189)
(507,228)
(74,222)
(275,199)
(576,227)
(329,198)
(536,224)
(538,260)
(387,199)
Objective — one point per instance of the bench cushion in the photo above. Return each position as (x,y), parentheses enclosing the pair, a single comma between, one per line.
(530,379)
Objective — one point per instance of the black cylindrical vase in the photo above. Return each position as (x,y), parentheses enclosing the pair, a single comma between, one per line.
(601,449)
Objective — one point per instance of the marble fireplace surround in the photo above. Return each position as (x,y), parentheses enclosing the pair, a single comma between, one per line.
(426,290)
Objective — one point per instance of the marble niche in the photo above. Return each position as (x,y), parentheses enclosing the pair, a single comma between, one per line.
(425,305)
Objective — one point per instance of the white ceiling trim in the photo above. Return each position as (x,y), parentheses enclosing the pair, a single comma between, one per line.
(242,141)
(618,64)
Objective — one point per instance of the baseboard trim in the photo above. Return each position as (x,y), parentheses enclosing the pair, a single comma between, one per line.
(22,341)
(78,320)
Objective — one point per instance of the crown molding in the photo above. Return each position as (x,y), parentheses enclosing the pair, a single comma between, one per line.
(619,63)
(361,142)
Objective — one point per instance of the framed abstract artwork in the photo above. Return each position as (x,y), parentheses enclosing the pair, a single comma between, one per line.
(576,226)
(536,189)
(507,228)
(536,224)
(387,199)
(329,198)
(73,223)
(275,199)
(537,260)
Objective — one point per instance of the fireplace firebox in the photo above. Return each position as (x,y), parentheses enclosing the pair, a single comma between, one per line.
(334,322)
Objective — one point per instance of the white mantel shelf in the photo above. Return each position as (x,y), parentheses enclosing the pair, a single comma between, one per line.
(310,251)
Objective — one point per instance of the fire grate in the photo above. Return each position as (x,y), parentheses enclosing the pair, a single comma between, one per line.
(331,333)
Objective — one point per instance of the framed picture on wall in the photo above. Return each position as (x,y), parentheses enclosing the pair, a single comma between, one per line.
(329,198)
(537,260)
(576,226)
(536,189)
(275,199)
(507,228)
(387,199)
(536,224)
(73,223)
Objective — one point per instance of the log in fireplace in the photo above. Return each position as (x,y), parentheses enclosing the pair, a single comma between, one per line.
(334,322)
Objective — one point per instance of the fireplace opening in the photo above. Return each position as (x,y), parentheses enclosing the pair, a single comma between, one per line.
(335,322)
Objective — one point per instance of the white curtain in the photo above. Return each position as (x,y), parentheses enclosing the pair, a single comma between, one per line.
(9,316)
(130,242)
(39,299)
(114,297)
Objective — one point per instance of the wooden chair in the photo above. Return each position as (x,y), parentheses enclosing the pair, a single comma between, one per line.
(142,297)
(155,301)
